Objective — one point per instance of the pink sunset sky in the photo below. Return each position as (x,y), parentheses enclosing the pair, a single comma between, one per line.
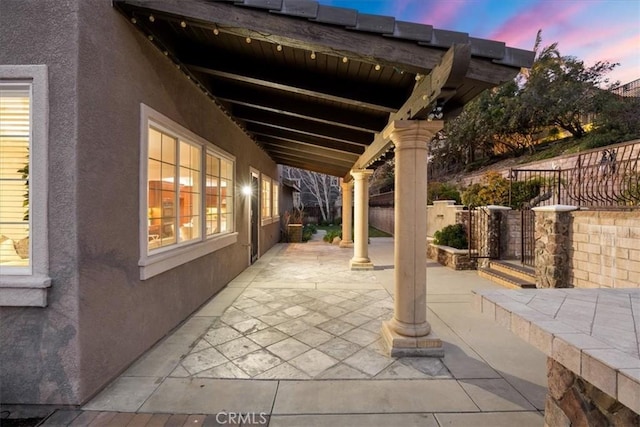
(591,30)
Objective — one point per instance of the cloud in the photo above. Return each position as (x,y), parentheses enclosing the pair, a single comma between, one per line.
(553,17)
(442,14)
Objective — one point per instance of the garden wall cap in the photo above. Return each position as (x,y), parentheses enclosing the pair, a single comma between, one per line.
(497,208)
(555,208)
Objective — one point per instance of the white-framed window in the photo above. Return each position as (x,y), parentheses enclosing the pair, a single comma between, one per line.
(187,195)
(265,200)
(24,127)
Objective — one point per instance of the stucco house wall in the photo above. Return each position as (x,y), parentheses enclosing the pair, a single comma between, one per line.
(100,315)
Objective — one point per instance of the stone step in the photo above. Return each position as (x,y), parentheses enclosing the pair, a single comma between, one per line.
(525,273)
(504,279)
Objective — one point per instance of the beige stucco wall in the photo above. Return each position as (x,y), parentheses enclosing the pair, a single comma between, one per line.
(441,214)
(101,316)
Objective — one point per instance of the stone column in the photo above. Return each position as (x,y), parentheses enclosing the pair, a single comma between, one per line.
(552,245)
(347,214)
(489,234)
(408,333)
(360,260)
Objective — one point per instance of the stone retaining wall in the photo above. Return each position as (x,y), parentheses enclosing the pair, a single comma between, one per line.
(457,259)
(572,401)
(604,249)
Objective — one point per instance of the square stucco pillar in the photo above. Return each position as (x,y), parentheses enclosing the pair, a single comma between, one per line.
(409,333)
(360,260)
(347,213)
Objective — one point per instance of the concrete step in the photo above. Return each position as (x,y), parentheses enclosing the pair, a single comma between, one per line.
(505,279)
(525,273)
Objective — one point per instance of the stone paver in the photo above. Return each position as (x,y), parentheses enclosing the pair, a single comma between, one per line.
(296,340)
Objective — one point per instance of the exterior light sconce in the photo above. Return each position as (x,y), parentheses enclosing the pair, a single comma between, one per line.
(246,190)
(437,113)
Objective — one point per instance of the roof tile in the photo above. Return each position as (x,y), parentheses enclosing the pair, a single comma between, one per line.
(374,23)
(298,8)
(336,16)
(445,38)
(411,31)
(487,48)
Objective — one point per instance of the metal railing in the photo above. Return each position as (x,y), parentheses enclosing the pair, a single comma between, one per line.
(604,179)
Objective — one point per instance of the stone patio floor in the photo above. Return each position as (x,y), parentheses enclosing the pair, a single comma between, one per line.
(294,340)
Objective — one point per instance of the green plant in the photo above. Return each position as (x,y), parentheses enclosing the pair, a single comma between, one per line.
(454,236)
(332,234)
(493,191)
(522,192)
(442,191)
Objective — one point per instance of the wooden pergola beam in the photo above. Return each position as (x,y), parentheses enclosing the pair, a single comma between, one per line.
(438,86)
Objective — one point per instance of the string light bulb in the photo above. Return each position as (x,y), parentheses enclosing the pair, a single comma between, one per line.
(150,37)
(313,55)
(216,31)
(152,18)
(377,67)
(248,39)
(134,20)
(279,48)
(345,59)
(183,24)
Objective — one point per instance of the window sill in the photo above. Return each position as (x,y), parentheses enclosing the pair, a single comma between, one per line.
(269,221)
(153,265)
(24,291)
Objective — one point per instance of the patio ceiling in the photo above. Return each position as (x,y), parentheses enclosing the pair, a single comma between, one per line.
(315,85)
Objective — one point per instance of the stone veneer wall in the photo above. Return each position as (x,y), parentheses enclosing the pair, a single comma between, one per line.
(457,259)
(553,244)
(572,401)
(604,249)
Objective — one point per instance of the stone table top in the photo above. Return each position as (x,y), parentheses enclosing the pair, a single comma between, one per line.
(593,332)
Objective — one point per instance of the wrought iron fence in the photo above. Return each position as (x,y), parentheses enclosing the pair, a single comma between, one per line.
(605,179)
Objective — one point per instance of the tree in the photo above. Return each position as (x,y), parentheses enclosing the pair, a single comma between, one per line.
(316,189)
(561,90)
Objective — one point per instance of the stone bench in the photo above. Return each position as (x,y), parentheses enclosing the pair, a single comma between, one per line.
(591,338)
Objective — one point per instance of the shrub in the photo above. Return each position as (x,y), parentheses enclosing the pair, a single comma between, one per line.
(451,235)
(442,191)
(332,234)
(493,191)
(337,220)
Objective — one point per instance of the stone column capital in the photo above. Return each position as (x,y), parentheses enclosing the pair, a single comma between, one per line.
(411,133)
(346,186)
(361,173)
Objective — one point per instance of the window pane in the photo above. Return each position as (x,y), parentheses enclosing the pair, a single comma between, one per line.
(15,104)
(189,192)
(161,190)
(212,200)
(266,198)
(275,195)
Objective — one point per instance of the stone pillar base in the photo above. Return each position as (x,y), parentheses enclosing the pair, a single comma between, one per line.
(361,265)
(401,346)
(346,244)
